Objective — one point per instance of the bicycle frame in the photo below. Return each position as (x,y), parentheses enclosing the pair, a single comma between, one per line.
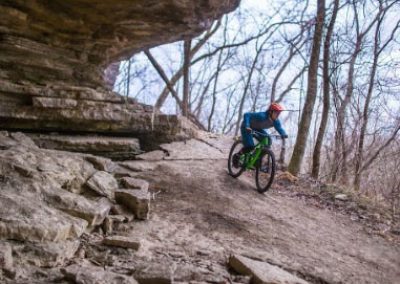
(253,156)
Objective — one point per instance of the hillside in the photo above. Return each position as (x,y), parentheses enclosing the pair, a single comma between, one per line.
(199,217)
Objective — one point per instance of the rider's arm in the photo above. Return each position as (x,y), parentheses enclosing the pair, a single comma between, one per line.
(278,127)
(246,119)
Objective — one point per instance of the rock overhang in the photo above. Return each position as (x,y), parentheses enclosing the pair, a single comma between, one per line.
(74,40)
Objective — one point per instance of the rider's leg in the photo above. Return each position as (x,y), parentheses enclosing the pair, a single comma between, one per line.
(248,142)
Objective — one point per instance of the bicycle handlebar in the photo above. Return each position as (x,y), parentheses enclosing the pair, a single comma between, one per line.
(254,132)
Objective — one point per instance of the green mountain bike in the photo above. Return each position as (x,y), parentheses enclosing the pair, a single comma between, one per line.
(261,159)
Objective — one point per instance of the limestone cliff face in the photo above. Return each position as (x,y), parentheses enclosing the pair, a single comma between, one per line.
(53,55)
(73,41)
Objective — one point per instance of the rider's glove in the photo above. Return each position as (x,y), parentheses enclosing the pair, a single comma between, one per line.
(284,136)
(248,129)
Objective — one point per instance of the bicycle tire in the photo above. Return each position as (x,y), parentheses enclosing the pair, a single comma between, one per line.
(269,155)
(230,160)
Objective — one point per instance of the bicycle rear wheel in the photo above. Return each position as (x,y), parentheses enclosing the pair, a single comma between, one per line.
(265,171)
(235,165)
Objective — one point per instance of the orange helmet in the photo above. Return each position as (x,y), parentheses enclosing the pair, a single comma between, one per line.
(276,107)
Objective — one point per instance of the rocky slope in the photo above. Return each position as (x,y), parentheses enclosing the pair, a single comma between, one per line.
(176,216)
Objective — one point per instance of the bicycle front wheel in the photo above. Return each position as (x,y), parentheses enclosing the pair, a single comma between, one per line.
(265,171)
(235,165)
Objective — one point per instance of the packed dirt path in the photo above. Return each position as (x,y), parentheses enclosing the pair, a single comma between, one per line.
(200,216)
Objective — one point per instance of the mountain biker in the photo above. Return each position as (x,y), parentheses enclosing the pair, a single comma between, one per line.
(259,121)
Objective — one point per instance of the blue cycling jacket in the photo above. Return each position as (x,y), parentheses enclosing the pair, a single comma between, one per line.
(258,121)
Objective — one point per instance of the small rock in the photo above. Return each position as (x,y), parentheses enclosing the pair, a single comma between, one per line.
(6,259)
(135,183)
(107,226)
(94,275)
(152,156)
(242,279)
(342,197)
(263,272)
(120,172)
(136,200)
(5,141)
(122,211)
(24,170)
(117,218)
(74,184)
(110,223)
(120,241)
(139,166)
(101,164)
(12,272)
(81,253)
(23,140)
(103,183)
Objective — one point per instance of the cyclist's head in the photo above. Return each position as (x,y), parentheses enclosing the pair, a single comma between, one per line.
(275,109)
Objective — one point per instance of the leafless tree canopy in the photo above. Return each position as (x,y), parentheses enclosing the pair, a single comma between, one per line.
(333,64)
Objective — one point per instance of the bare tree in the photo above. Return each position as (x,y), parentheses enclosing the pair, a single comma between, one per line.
(171,88)
(177,76)
(295,46)
(340,147)
(376,53)
(299,148)
(326,91)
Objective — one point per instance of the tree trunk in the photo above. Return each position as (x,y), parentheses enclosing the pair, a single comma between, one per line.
(214,93)
(186,75)
(128,78)
(326,100)
(301,140)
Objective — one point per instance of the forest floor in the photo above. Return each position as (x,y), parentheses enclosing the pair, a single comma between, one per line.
(200,216)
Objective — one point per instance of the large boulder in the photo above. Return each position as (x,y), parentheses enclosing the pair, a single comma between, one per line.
(41,192)
(27,219)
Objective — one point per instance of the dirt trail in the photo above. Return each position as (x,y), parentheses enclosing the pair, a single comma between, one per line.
(200,215)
